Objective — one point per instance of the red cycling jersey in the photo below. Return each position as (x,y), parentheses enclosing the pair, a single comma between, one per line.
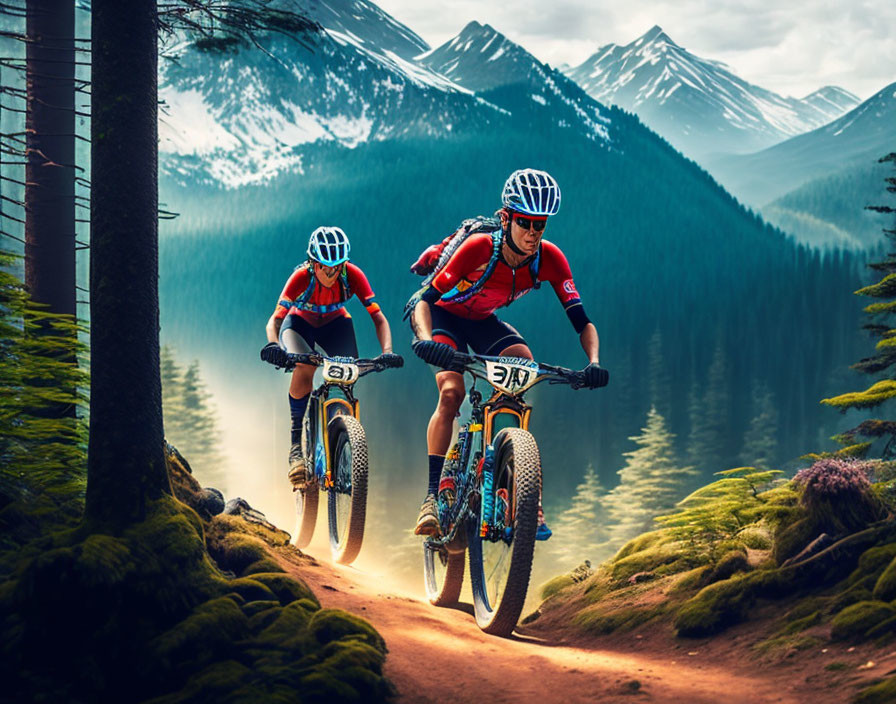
(505,284)
(298,283)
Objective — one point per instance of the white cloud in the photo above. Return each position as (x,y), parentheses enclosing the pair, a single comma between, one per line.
(792,48)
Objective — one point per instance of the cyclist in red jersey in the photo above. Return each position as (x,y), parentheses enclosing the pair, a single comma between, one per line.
(311,312)
(444,320)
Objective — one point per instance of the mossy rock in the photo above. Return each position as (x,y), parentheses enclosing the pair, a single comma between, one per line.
(251,589)
(555,585)
(756,537)
(645,541)
(237,551)
(290,629)
(885,587)
(855,621)
(853,595)
(250,608)
(696,578)
(263,618)
(883,692)
(649,559)
(730,564)
(217,682)
(715,607)
(874,561)
(786,645)
(206,635)
(328,625)
(791,539)
(286,588)
(883,629)
(800,624)
(603,622)
(264,565)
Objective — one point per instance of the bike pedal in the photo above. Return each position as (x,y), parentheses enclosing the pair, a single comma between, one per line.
(543,532)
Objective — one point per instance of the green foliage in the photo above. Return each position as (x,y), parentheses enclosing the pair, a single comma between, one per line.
(885,587)
(40,452)
(883,692)
(721,510)
(871,397)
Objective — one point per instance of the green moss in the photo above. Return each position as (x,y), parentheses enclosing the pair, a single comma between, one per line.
(696,578)
(332,624)
(838,666)
(287,589)
(885,587)
(855,621)
(206,635)
(786,645)
(260,620)
(730,564)
(555,585)
(714,608)
(801,624)
(756,537)
(883,629)
(290,629)
(643,542)
(853,595)
(264,565)
(236,552)
(602,622)
(883,692)
(250,608)
(791,539)
(650,559)
(251,589)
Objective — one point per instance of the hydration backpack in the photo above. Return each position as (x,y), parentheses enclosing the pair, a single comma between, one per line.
(435,257)
(301,301)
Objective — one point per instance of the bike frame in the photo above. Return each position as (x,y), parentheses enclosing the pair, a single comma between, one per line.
(322,407)
(505,408)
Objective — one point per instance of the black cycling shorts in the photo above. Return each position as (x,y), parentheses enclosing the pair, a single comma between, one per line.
(487,337)
(336,338)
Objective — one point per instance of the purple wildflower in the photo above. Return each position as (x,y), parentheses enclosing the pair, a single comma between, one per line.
(834,477)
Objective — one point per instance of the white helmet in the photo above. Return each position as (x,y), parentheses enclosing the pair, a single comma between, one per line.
(328,246)
(531,192)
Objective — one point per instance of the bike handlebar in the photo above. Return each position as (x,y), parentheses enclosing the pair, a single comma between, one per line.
(546,372)
(365,366)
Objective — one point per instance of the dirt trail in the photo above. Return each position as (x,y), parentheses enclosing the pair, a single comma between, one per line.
(439,655)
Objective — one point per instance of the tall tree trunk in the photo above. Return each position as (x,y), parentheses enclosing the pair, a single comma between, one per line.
(126,462)
(50,144)
(50,171)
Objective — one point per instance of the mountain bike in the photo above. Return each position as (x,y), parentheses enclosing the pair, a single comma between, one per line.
(490,493)
(335,448)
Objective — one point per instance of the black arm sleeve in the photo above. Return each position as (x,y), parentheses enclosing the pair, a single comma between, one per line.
(431,295)
(577,316)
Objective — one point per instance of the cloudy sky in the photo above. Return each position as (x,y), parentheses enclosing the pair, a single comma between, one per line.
(792,49)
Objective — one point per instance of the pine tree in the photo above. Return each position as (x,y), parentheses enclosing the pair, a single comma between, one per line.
(709,417)
(191,422)
(651,482)
(881,363)
(761,439)
(38,451)
(580,530)
(659,383)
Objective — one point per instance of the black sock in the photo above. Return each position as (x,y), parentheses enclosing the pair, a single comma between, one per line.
(297,408)
(435,472)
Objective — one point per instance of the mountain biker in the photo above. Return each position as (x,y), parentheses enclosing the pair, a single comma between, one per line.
(441,326)
(311,311)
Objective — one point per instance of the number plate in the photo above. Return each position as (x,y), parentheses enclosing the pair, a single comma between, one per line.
(512,377)
(340,372)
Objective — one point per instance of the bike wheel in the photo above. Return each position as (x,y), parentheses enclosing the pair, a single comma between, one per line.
(306,514)
(443,574)
(347,498)
(499,571)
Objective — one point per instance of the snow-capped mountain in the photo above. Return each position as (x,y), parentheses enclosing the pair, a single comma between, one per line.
(245,117)
(483,60)
(699,105)
(862,135)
